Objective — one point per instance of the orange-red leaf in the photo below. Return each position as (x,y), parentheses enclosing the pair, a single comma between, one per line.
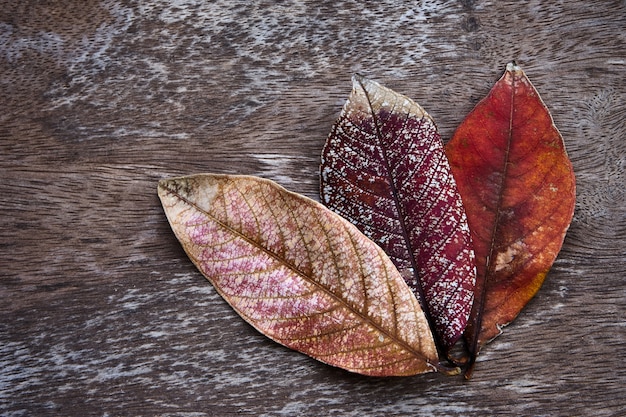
(518,189)
(300,274)
(384,169)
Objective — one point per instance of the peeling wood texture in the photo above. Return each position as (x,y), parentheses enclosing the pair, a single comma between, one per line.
(103,313)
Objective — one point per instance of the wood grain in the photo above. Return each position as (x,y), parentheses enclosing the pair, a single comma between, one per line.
(103,314)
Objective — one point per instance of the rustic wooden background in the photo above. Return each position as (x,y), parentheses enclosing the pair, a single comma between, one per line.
(102,312)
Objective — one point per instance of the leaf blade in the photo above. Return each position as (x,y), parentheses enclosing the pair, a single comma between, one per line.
(518,187)
(384,169)
(266,251)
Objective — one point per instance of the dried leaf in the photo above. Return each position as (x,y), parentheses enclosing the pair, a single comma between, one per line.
(300,274)
(518,188)
(384,169)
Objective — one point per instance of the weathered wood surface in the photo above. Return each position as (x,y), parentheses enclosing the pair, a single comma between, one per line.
(103,314)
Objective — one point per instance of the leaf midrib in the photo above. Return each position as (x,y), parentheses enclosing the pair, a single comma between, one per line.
(403,226)
(494,231)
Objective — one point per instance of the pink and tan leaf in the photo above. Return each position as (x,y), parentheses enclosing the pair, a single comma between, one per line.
(300,274)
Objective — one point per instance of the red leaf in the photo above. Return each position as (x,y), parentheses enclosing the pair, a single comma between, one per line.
(518,188)
(300,274)
(384,169)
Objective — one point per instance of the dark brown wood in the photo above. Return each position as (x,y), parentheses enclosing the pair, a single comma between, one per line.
(102,312)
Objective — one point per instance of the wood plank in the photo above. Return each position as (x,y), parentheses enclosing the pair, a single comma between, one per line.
(104,314)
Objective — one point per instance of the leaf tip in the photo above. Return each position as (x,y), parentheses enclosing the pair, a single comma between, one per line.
(359,83)
(163,185)
(513,67)
(357,78)
(199,190)
(163,188)
(173,187)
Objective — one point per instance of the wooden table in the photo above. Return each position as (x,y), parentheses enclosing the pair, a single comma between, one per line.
(102,312)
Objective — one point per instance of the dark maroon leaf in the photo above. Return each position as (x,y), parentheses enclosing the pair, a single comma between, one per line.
(384,169)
